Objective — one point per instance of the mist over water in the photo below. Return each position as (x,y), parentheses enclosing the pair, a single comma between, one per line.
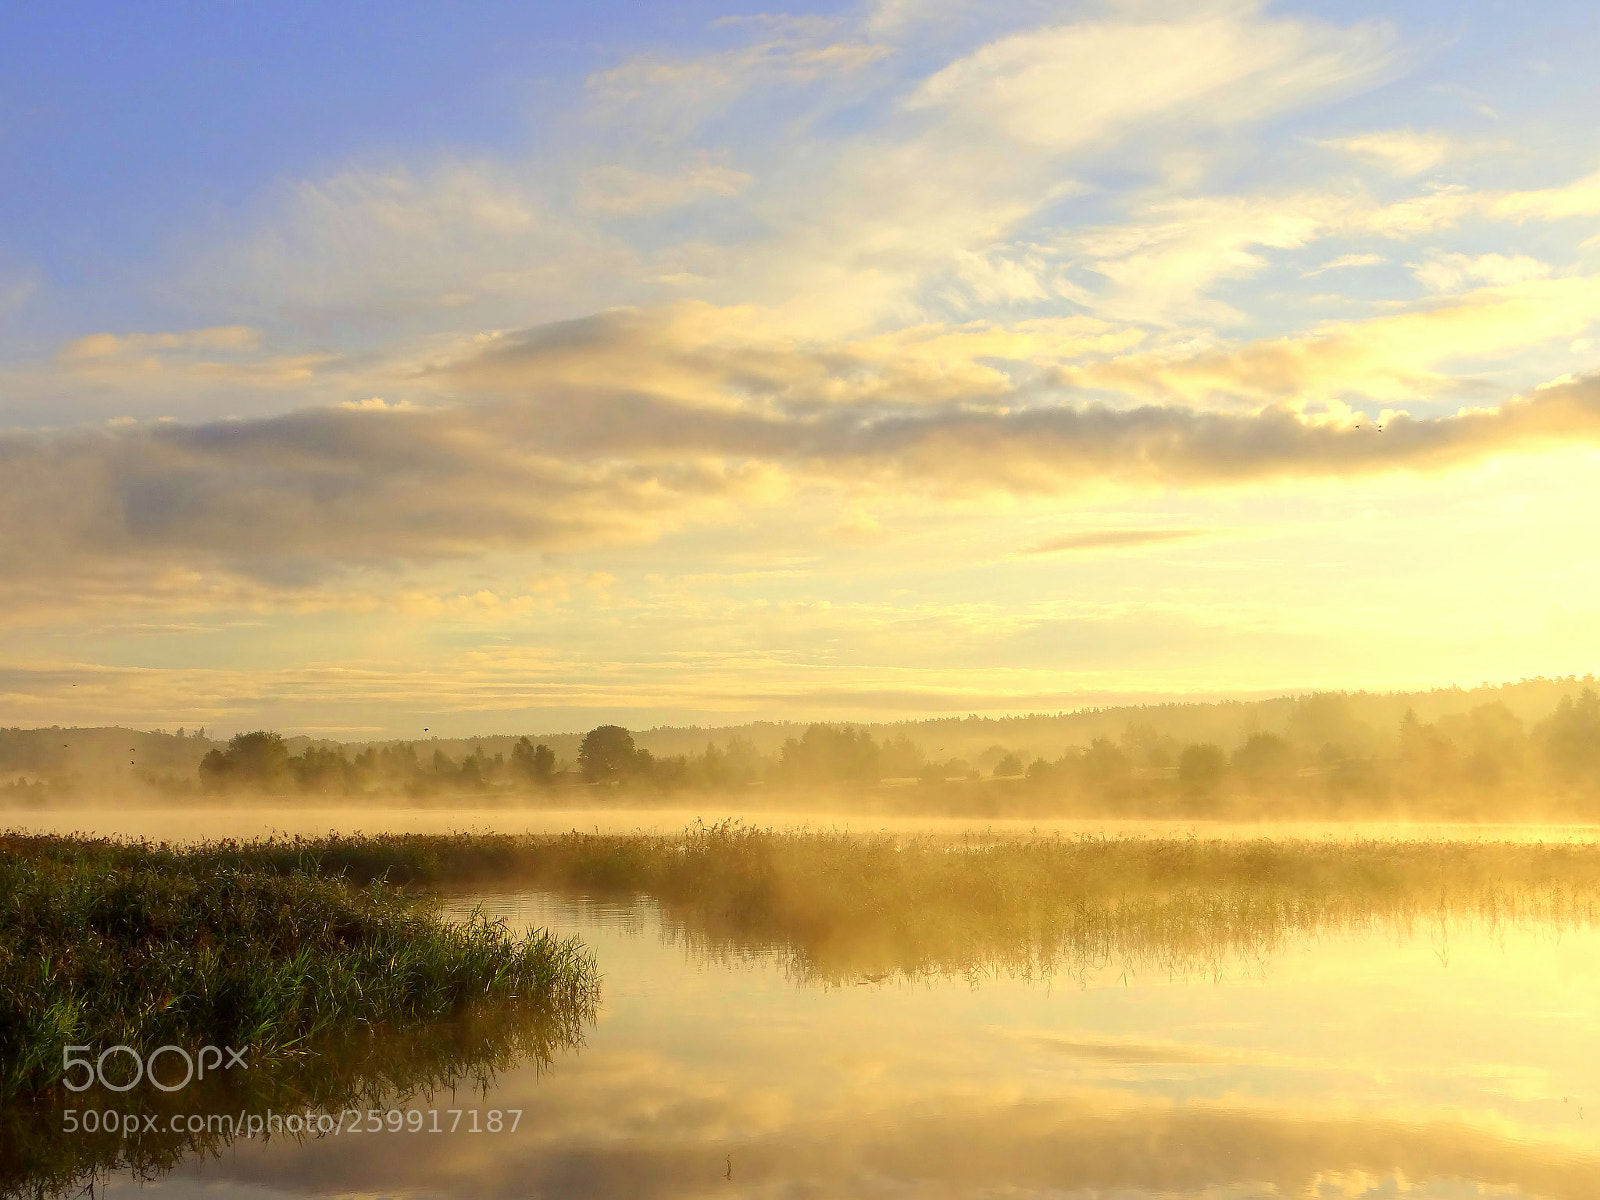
(197,823)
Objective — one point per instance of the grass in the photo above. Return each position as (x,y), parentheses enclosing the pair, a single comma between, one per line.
(842,906)
(104,943)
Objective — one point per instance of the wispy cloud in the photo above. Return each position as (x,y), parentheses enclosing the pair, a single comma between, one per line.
(1402,151)
(628,192)
(1449,272)
(1110,539)
(1389,358)
(1344,262)
(1070,86)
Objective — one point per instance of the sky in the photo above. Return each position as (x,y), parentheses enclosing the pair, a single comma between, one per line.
(500,367)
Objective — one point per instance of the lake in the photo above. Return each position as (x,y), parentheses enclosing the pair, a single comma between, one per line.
(1441,1062)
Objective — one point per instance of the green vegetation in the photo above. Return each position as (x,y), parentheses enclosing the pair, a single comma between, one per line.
(839,906)
(103,943)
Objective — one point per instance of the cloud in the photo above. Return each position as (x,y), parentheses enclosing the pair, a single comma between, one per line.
(1110,539)
(897,194)
(1070,87)
(754,358)
(626,192)
(109,345)
(1390,358)
(288,500)
(1446,207)
(398,243)
(1402,151)
(1160,265)
(190,361)
(1344,262)
(680,92)
(545,458)
(1581,198)
(1448,272)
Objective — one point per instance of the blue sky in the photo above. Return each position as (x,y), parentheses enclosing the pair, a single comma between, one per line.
(138,132)
(685,362)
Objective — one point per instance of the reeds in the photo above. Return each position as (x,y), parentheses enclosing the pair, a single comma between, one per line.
(841,906)
(107,944)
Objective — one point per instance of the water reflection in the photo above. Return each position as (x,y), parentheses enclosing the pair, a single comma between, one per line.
(1356,1059)
(1361,1064)
(50,1146)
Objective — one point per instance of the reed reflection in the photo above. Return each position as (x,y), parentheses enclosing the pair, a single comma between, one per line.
(43,1154)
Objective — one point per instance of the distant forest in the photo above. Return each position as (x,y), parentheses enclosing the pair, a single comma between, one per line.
(1524,749)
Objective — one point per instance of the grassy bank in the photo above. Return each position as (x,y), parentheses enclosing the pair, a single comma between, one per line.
(842,906)
(107,944)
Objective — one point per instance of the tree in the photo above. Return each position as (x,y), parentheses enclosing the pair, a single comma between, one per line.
(899,756)
(258,759)
(1263,759)
(1427,755)
(535,763)
(1008,766)
(607,754)
(827,752)
(321,768)
(1201,767)
(1497,746)
(1329,719)
(1103,763)
(1570,739)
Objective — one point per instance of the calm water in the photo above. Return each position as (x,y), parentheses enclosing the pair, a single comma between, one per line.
(1446,1064)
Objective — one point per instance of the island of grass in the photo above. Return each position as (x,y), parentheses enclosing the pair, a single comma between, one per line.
(105,943)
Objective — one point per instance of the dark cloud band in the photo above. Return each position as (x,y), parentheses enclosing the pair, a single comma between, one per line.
(310,492)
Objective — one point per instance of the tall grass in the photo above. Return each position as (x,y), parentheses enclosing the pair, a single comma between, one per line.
(107,944)
(839,906)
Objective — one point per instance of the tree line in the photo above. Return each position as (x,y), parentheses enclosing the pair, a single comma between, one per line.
(1326,758)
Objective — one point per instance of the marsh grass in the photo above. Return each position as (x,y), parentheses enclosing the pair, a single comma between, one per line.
(838,907)
(104,943)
